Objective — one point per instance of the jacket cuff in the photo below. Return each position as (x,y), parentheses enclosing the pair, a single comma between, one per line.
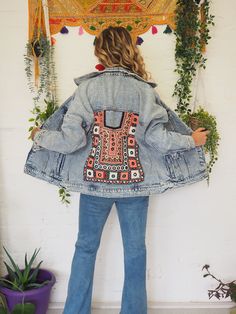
(38,136)
(191,142)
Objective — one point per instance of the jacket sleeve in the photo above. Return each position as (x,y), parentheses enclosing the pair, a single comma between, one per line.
(153,118)
(72,135)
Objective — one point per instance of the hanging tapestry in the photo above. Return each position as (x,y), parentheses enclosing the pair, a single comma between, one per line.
(136,15)
(48,17)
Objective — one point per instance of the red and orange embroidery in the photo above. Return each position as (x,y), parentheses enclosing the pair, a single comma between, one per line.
(114,155)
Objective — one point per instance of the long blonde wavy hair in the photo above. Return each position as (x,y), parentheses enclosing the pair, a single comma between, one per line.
(114,47)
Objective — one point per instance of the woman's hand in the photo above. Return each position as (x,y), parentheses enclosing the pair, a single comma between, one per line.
(33,132)
(200,136)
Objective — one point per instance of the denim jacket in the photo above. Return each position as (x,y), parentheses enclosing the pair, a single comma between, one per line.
(115,137)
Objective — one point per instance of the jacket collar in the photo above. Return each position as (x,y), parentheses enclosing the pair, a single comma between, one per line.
(79,79)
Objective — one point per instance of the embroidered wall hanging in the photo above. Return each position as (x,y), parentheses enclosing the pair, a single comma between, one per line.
(136,15)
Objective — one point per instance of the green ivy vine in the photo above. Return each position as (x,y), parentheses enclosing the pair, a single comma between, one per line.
(202,118)
(64,196)
(41,51)
(193,21)
(192,35)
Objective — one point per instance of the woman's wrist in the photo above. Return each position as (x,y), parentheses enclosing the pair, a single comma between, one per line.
(33,132)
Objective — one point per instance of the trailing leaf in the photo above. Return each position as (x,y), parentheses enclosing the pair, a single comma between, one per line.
(207,121)
(47,73)
(64,196)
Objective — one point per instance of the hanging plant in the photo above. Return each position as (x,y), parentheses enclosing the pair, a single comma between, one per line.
(39,57)
(40,72)
(40,67)
(192,36)
(201,118)
(46,87)
(41,114)
(41,76)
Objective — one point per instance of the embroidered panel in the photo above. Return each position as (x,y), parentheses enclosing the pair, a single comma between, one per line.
(114,156)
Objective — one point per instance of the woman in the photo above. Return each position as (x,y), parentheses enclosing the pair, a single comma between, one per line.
(117,139)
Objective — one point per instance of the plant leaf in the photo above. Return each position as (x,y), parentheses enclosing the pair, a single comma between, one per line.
(205,266)
(3,302)
(3,311)
(33,276)
(31,261)
(26,262)
(25,308)
(38,285)
(17,270)
(12,283)
(11,273)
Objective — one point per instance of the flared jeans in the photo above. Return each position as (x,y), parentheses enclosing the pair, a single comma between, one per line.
(93,213)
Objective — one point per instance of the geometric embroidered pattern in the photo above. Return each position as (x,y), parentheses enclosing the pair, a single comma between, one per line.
(114,154)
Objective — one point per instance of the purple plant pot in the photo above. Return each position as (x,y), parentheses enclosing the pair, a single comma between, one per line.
(38,296)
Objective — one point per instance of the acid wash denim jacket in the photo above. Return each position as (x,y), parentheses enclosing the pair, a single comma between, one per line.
(114,137)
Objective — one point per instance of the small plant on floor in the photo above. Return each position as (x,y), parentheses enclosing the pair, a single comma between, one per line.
(20,281)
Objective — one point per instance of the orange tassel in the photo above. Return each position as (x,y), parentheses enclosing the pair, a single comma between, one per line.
(36,71)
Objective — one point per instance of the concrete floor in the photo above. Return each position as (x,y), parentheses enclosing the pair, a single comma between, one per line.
(158,311)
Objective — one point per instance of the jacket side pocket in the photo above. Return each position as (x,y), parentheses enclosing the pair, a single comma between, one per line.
(185,164)
(60,163)
(201,155)
(176,165)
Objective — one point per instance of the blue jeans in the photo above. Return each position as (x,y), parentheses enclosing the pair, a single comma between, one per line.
(93,213)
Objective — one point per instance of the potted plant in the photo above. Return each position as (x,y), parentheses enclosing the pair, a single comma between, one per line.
(202,118)
(22,287)
(23,308)
(223,290)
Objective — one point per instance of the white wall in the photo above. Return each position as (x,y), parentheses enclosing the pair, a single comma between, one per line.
(187,227)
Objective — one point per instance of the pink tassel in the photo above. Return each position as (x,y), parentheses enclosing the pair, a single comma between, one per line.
(154,30)
(81,30)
